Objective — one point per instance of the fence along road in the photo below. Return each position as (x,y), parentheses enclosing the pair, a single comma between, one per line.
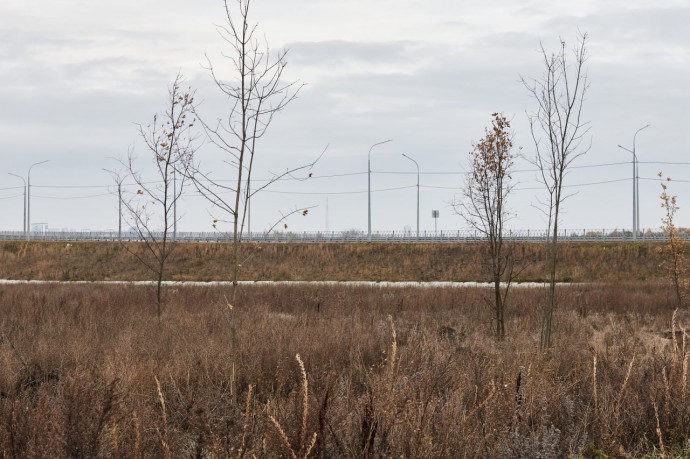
(581,235)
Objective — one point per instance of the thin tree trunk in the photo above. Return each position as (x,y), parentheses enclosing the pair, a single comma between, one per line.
(233,323)
(500,326)
(159,294)
(548,309)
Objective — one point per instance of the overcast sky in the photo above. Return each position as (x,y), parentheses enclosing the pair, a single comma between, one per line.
(75,75)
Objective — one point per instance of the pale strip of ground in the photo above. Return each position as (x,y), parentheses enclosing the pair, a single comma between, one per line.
(383,284)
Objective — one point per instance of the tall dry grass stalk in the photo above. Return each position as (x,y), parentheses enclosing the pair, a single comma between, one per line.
(479,406)
(305,400)
(594,383)
(304,449)
(667,392)
(394,350)
(164,439)
(283,436)
(233,348)
(684,380)
(245,424)
(621,393)
(136,450)
(673,333)
(659,433)
(115,437)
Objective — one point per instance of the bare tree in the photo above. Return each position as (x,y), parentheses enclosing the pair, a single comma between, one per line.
(151,210)
(484,206)
(559,134)
(256,91)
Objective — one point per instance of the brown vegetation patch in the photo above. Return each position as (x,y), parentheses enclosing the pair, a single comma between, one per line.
(87,372)
(578,262)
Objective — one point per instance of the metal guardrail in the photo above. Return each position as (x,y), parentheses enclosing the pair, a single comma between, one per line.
(582,235)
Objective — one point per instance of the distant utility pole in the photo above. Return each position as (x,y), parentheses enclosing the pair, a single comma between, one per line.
(435,215)
(416,164)
(24,218)
(327,225)
(28,198)
(369,184)
(119,178)
(636,184)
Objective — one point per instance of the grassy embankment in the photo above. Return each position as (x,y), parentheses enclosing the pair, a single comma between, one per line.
(389,262)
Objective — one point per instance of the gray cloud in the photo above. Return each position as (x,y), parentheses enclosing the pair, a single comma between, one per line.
(336,51)
(74,97)
(649,25)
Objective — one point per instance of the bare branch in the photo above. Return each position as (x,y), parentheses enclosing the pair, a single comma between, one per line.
(558,131)
(171,143)
(256,91)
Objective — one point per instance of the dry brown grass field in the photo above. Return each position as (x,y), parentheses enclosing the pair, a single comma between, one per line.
(390,262)
(88,371)
(404,373)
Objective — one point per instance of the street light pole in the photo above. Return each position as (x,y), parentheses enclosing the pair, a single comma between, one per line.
(634,193)
(416,164)
(369,185)
(24,219)
(636,183)
(28,197)
(637,176)
(119,179)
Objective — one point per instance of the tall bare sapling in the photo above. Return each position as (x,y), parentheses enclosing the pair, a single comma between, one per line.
(561,136)
(256,90)
(168,141)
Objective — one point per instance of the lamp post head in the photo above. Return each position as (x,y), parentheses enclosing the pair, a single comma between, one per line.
(637,132)
(415,162)
(28,175)
(40,162)
(629,150)
(378,143)
(18,176)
